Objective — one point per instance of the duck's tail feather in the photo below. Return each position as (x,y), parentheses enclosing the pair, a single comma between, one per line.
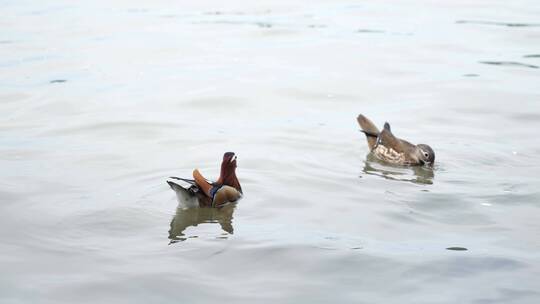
(172,185)
(369,129)
(192,189)
(186,197)
(178,187)
(187,180)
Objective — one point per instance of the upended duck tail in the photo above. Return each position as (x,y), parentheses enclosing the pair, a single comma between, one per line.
(369,129)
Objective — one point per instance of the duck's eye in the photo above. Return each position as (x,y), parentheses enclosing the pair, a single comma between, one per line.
(426,154)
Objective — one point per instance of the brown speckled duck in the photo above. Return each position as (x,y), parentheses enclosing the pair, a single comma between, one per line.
(385,146)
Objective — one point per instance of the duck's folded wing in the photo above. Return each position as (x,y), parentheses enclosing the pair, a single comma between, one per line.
(388,140)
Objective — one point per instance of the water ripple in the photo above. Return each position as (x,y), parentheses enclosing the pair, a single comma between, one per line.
(510,63)
(508,24)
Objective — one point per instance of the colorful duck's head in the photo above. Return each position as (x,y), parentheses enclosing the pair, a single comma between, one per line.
(228,171)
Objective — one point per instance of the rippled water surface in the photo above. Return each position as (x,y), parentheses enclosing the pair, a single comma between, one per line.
(101,101)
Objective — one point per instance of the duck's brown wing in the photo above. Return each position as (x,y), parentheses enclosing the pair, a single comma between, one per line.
(393,149)
(369,129)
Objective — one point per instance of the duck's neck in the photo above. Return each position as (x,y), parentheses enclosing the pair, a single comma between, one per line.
(228,177)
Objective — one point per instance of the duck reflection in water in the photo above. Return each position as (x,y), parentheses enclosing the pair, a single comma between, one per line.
(415,174)
(188,217)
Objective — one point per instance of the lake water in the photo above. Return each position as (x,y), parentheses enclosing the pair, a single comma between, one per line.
(101,101)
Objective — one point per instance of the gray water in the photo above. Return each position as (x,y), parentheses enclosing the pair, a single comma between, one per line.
(101,101)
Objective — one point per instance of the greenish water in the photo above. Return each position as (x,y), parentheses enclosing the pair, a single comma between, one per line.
(102,101)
